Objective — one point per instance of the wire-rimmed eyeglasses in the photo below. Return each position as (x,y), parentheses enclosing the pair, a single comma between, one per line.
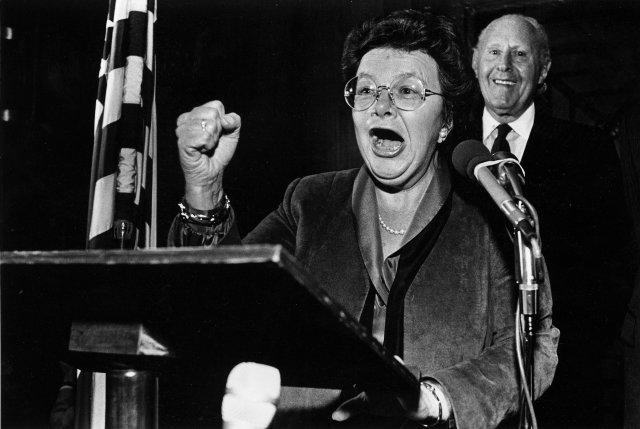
(407,92)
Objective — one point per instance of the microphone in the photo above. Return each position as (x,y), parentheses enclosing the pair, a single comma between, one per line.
(511,173)
(471,159)
(251,394)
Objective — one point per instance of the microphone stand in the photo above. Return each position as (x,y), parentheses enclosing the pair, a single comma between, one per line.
(527,279)
(529,274)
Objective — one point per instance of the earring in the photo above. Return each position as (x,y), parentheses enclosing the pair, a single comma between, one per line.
(443,135)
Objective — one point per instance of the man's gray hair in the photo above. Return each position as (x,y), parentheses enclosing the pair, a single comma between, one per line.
(542,40)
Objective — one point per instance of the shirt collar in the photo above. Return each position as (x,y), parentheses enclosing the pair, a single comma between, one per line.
(522,126)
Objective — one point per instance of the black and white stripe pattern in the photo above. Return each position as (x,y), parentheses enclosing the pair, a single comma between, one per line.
(122,200)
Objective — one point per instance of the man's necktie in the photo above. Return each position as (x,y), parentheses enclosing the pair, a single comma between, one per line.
(500,144)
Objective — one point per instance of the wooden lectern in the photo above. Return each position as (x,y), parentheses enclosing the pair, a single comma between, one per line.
(137,314)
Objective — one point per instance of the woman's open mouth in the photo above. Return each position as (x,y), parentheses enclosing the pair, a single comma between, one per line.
(386,143)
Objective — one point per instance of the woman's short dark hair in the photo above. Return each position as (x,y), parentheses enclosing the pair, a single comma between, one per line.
(411,30)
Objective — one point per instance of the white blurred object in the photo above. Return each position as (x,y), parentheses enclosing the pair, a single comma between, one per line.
(250,399)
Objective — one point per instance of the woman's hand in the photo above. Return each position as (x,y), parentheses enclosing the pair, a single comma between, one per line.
(207,140)
(387,404)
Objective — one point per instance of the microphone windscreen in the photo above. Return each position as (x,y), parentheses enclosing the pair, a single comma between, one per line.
(467,155)
(251,394)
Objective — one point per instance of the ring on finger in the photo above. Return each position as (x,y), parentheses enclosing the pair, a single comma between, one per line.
(203,125)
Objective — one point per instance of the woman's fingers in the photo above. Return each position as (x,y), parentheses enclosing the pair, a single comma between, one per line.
(351,408)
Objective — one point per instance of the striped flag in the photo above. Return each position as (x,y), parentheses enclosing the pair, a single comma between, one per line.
(123,194)
(123,191)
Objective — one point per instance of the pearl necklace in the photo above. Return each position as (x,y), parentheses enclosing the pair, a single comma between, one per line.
(390,230)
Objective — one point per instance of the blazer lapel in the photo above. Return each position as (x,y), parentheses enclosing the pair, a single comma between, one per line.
(336,240)
(537,153)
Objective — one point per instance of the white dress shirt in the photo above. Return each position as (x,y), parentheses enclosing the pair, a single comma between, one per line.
(517,138)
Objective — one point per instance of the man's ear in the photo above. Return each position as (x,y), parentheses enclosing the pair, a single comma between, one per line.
(543,73)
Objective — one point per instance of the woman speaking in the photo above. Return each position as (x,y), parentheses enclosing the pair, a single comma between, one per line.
(394,242)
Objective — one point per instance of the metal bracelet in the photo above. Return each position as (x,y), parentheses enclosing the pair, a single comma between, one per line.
(205,217)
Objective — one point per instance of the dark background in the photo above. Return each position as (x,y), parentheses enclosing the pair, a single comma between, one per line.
(276,63)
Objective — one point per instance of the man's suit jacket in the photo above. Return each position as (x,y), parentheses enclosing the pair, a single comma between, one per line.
(573,180)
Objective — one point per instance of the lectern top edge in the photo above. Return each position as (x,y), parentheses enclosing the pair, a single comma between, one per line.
(239,254)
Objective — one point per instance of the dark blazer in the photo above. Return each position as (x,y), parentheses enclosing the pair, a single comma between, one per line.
(573,180)
(458,311)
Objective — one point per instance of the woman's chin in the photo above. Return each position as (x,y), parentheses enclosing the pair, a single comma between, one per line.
(391,179)
(398,178)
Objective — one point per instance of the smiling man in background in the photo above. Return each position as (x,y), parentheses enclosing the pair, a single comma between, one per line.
(573,180)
